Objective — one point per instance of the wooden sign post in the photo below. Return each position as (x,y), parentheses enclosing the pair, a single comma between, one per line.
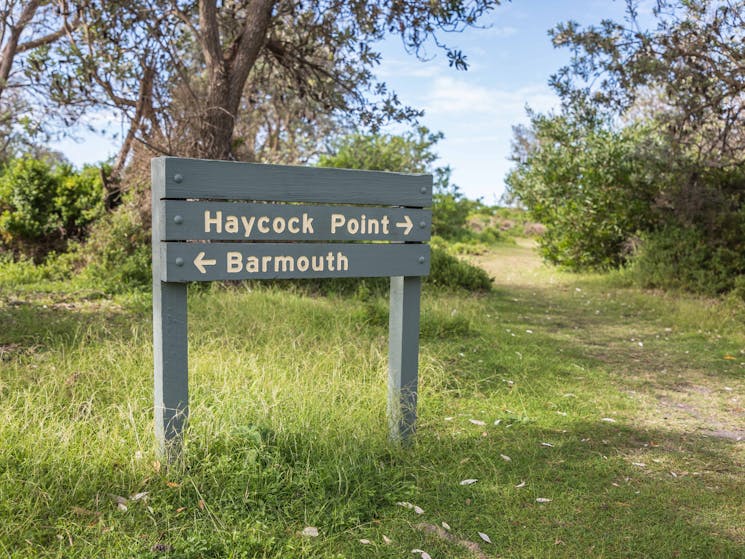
(219,220)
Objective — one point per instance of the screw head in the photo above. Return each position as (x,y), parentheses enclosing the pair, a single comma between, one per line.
(178,220)
(423,190)
(178,178)
(421,259)
(422,224)
(179,261)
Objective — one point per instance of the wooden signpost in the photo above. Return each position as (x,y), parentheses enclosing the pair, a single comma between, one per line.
(218,220)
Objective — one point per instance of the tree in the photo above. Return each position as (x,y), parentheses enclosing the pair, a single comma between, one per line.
(26,28)
(688,72)
(185,73)
(691,62)
(647,152)
(587,183)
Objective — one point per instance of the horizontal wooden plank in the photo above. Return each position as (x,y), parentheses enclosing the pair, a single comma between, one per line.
(242,221)
(230,180)
(237,261)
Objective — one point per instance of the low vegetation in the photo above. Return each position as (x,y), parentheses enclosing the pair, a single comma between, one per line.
(560,416)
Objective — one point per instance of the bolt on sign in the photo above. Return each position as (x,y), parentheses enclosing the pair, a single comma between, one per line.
(221,220)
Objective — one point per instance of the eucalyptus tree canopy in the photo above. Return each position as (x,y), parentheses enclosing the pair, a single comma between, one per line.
(646,158)
(690,66)
(27,28)
(233,78)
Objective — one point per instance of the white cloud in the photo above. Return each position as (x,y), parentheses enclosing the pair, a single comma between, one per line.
(477,121)
(451,96)
(408,68)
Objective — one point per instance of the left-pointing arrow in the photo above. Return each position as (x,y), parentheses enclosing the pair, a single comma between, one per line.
(200,262)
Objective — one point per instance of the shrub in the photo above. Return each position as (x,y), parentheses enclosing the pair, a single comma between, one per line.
(450,213)
(42,207)
(449,271)
(683,258)
(117,255)
(79,199)
(588,184)
(27,190)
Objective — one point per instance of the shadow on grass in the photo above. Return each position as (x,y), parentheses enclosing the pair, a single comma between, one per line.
(615,490)
(602,329)
(29,325)
(610,487)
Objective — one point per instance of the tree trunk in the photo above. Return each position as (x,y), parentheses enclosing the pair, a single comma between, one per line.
(228,70)
(217,122)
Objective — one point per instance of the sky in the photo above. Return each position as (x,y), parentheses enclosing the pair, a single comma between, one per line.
(511,59)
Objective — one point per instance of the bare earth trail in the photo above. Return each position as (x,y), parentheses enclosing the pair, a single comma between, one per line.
(680,361)
(639,342)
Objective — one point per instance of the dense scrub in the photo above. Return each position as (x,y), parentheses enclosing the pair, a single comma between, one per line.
(625,197)
(45,205)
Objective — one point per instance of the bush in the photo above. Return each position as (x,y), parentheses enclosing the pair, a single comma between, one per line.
(588,184)
(450,213)
(27,191)
(117,255)
(42,207)
(683,258)
(79,199)
(449,271)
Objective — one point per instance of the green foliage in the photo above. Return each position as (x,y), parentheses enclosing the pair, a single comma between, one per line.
(79,199)
(645,147)
(683,258)
(450,214)
(586,183)
(27,192)
(450,271)
(23,271)
(680,70)
(406,153)
(117,255)
(739,287)
(42,206)
(609,197)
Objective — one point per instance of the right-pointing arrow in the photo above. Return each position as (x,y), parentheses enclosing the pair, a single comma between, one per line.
(407,224)
(200,262)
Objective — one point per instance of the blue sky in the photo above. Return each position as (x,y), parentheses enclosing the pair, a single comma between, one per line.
(510,60)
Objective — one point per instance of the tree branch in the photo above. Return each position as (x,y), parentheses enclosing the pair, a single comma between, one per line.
(210,33)
(51,37)
(251,40)
(9,51)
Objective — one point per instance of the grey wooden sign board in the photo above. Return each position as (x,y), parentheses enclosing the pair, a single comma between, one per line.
(218,220)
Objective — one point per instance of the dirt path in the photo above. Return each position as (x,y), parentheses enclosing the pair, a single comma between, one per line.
(681,358)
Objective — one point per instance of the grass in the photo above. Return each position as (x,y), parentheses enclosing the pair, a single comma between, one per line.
(638,394)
